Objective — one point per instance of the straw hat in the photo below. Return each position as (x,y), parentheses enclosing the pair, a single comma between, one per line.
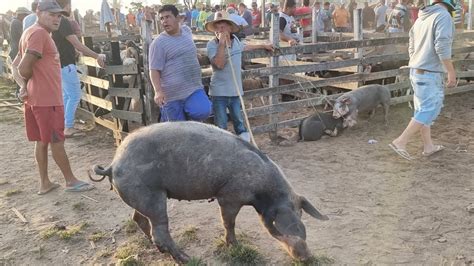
(219,17)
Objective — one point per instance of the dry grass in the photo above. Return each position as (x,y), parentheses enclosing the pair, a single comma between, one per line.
(12,192)
(62,233)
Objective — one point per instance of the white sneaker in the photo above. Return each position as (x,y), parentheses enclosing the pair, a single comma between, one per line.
(245,136)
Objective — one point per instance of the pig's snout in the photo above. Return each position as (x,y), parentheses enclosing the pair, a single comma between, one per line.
(296,247)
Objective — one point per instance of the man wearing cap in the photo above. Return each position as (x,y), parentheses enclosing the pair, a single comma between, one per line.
(67,43)
(16,29)
(38,64)
(430,44)
(175,72)
(226,85)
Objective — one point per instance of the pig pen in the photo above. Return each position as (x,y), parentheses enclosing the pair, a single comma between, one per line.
(382,209)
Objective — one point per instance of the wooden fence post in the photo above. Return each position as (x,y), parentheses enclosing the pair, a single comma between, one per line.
(150,108)
(358,35)
(314,22)
(274,79)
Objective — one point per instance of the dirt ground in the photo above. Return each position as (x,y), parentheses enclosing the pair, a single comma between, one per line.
(382,209)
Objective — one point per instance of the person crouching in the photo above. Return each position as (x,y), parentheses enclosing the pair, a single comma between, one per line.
(225,85)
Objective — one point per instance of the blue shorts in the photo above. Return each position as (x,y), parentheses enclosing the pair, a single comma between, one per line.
(429,96)
(196,107)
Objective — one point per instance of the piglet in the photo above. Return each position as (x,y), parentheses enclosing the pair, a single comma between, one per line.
(363,99)
(313,127)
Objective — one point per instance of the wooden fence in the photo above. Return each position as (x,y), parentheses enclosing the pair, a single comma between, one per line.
(109,100)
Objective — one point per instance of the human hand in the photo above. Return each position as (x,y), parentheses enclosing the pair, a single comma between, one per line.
(451,82)
(269,47)
(159,98)
(292,42)
(101,60)
(22,94)
(224,38)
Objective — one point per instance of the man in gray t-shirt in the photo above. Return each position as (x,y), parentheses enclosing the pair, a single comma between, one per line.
(175,72)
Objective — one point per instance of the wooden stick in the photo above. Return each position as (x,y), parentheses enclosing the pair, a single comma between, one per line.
(93,244)
(87,197)
(22,218)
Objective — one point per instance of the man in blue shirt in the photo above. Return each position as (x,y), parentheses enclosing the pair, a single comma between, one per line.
(226,86)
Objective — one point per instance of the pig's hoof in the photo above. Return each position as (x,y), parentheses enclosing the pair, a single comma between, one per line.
(181,258)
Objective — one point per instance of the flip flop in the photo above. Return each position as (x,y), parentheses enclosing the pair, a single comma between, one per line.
(403,153)
(53,187)
(81,186)
(436,149)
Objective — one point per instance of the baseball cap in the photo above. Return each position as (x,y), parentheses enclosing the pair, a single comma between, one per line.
(52,7)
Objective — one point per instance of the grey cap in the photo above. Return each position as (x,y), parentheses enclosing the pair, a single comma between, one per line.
(22,10)
(51,6)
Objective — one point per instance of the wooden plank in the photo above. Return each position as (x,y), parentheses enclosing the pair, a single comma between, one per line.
(19,215)
(127,115)
(122,70)
(97,82)
(266,71)
(125,92)
(312,48)
(89,61)
(97,101)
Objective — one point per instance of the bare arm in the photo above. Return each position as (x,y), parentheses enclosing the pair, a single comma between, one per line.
(25,67)
(85,50)
(155,77)
(219,60)
(267,47)
(288,39)
(16,74)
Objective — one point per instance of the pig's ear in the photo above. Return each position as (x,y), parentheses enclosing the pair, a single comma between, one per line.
(311,210)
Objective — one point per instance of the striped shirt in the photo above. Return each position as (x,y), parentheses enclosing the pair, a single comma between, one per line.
(176,59)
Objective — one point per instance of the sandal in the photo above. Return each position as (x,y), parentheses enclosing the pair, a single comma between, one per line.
(53,187)
(436,149)
(81,186)
(403,153)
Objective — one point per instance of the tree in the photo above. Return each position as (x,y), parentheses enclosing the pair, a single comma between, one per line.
(190,3)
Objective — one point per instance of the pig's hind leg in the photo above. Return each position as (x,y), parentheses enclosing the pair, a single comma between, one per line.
(143,223)
(152,204)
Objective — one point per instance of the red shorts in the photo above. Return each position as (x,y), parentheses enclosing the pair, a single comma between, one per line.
(44,123)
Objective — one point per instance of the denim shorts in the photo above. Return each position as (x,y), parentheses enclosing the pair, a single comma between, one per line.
(429,95)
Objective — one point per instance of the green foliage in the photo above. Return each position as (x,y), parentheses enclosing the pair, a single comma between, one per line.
(195,262)
(239,254)
(169,2)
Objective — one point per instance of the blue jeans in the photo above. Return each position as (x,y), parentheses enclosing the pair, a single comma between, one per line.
(71,93)
(429,96)
(220,105)
(195,107)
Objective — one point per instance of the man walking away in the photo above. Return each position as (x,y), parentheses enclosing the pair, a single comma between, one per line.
(431,40)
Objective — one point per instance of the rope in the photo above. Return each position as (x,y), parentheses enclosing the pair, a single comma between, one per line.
(242,103)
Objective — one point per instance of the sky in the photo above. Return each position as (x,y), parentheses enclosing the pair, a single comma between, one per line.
(82,5)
